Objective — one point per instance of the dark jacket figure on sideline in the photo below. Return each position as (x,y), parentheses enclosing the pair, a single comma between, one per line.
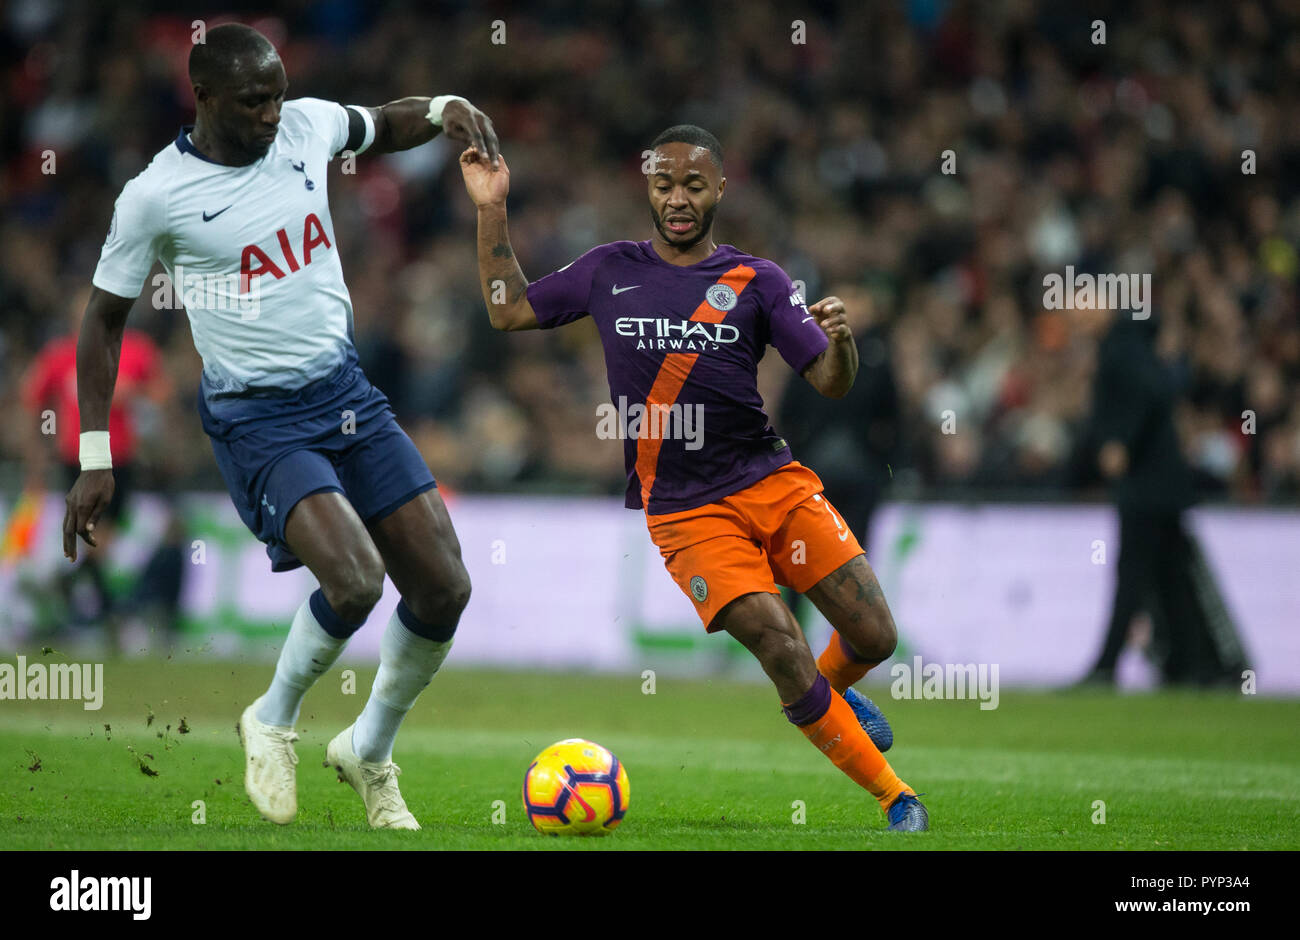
(1161,568)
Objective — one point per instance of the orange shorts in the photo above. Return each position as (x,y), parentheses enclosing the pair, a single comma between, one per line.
(781,530)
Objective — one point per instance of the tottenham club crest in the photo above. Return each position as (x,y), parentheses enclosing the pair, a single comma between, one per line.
(721,297)
(699,589)
(301,167)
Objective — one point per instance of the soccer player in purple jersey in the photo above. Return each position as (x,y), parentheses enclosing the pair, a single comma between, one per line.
(684,323)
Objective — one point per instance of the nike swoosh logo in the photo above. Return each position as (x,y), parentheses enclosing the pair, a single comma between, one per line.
(618,290)
(209,218)
(805,319)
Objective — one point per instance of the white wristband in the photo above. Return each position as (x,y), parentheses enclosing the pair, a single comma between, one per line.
(95,453)
(436,106)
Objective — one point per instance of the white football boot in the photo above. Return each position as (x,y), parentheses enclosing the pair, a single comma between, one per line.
(270,774)
(376,784)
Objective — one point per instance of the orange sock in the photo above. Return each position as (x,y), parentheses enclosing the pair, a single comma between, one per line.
(841,665)
(828,722)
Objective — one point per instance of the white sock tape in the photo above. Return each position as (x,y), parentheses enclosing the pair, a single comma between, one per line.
(95,452)
(436,106)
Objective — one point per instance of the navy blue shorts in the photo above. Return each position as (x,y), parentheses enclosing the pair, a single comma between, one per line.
(337,434)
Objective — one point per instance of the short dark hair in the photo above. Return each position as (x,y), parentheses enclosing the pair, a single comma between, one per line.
(690,134)
(212,60)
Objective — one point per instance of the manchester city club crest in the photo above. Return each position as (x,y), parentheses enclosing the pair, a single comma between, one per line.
(699,589)
(721,297)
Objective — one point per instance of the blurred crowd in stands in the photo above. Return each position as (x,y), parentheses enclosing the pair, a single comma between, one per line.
(1166,149)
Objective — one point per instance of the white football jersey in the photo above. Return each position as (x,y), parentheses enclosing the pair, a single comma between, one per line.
(250,250)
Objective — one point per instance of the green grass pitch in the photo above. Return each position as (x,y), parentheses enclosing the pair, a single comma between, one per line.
(713,765)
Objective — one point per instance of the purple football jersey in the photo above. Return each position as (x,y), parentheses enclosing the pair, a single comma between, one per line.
(682,345)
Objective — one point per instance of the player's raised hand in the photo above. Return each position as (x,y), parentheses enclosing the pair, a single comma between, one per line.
(487,184)
(829,312)
(463,122)
(87,499)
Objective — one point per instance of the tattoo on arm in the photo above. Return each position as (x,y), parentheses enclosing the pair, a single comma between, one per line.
(516,285)
(502,248)
(519,286)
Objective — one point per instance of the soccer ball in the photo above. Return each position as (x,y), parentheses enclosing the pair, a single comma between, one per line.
(576,788)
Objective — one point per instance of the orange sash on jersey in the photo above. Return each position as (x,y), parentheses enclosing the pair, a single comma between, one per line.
(668,383)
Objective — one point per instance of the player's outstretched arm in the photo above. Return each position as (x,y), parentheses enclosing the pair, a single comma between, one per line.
(832,373)
(98,349)
(407,123)
(500,277)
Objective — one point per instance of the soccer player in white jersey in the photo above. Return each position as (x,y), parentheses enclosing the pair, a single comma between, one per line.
(313,458)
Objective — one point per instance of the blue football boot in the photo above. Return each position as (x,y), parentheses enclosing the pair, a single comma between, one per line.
(871,718)
(907,814)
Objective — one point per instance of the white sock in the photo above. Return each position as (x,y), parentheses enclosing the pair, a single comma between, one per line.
(407,664)
(308,653)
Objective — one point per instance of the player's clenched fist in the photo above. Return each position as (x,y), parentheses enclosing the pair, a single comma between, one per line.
(829,312)
(486,184)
